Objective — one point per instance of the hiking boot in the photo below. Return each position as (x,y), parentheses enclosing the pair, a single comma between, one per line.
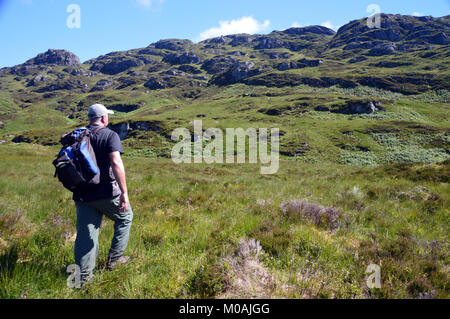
(86,279)
(112,265)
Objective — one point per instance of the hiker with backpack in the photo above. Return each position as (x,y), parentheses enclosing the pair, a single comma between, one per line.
(90,165)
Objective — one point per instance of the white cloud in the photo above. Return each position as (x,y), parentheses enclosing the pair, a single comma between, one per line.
(417,14)
(327,24)
(149,3)
(243,25)
(296,25)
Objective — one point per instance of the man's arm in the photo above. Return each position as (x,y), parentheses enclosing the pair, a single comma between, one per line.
(119,173)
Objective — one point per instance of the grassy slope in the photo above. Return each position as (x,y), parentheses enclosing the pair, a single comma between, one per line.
(185,223)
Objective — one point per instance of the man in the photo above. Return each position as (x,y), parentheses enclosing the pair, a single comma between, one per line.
(109,197)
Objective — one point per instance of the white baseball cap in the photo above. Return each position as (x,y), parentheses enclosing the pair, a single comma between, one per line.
(98,110)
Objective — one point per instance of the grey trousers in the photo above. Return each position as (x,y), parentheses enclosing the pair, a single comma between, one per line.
(89,218)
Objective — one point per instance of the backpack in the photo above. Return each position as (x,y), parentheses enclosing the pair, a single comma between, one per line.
(76,165)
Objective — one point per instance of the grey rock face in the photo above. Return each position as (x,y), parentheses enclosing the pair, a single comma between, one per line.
(58,57)
(171,44)
(240,39)
(360,107)
(310,63)
(239,71)
(102,85)
(185,58)
(117,66)
(189,69)
(155,83)
(174,72)
(123,129)
(218,64)
(287,66)
(242,70)
(38,79)
(317,29)
(64,85)
(266,42)
(383,49)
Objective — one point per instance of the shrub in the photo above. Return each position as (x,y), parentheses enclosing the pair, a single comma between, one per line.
(319,215)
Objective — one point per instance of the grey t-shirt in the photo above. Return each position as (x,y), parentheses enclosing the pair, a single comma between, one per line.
(104,142)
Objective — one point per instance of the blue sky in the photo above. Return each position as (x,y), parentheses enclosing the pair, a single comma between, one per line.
(28,27)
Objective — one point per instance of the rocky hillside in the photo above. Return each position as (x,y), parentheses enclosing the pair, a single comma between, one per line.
(408,56)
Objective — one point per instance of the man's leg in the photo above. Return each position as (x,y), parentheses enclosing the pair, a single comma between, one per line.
(122,225)
(86,243)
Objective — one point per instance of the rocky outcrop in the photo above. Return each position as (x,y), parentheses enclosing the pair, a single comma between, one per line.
(358,107)
(69,85)
(174,72)
(126,108)
(58,57)
(383,49)
(115,66)
(218,64)
(267,42)
(316,29)
(102,85)
(287,66)
(126,82)
(80,72)
(240,39)
(418,31)
(309,63)
(37,80)
(189,69)
(171,44)
(278,55)
(184,58)
(239,71)
(157,82)
(123,129)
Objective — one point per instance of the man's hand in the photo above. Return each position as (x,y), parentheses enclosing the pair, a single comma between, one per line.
(124,202)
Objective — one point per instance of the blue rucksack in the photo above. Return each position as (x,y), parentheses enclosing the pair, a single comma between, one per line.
(76,165)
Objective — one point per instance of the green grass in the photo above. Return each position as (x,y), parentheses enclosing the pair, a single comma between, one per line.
(188,218)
